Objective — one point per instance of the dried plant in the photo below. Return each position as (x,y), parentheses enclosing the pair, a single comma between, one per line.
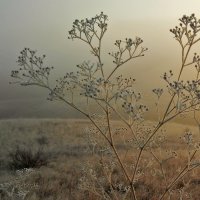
(17,188)
(22,158)
(137,147)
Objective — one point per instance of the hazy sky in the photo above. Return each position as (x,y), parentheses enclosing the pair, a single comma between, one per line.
(43,25)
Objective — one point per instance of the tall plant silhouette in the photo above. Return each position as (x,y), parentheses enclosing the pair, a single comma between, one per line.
(116,97)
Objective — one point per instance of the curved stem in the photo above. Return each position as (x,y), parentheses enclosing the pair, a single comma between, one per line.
(182,173)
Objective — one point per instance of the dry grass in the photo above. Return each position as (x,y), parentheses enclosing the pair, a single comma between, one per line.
(64,143)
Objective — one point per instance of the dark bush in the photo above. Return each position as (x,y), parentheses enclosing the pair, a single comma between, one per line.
(22,158)
(43,140)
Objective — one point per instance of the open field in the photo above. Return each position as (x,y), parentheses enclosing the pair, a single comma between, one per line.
(63,143)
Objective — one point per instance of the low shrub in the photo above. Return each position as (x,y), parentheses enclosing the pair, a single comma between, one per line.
(22,158)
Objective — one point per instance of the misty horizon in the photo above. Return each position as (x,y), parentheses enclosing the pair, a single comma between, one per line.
(44,27)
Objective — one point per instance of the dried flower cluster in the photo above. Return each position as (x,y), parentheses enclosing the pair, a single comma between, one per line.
(121,150)
(32,70)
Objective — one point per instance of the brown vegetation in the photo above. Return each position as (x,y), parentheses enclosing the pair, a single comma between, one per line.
(68,155)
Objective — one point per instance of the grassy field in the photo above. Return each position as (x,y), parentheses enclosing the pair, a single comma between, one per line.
(63,143)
